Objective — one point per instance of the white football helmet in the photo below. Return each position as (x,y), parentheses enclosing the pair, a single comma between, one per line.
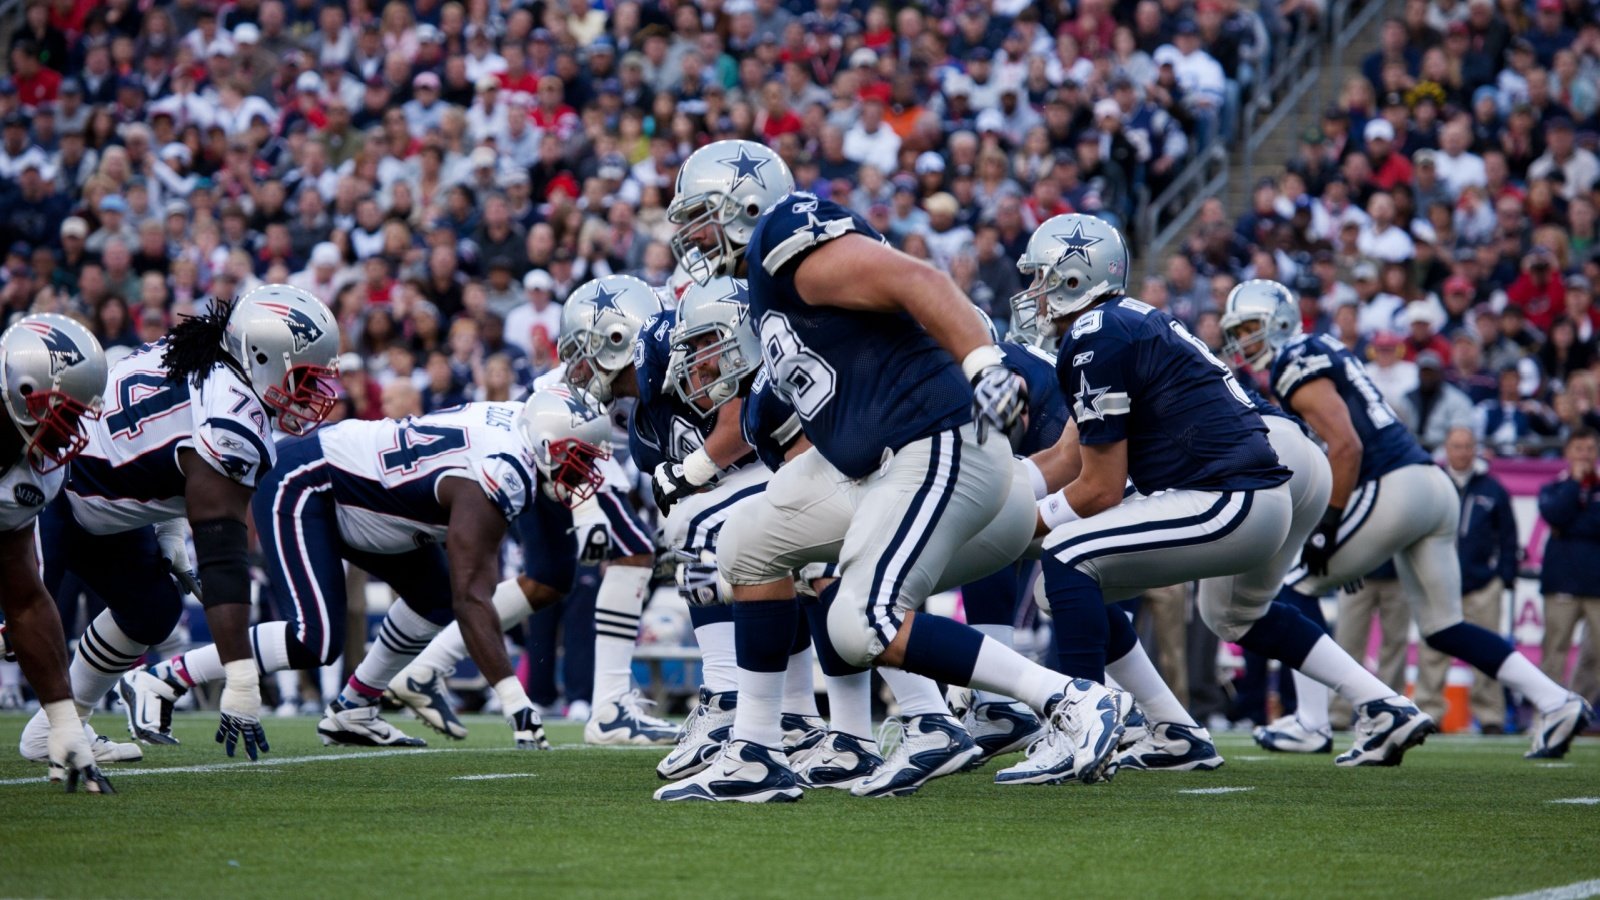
(567,437)
(715,341)
(52,376)
(286,343)
(1258,319)
(1074,260)
(722,189)
(599,324)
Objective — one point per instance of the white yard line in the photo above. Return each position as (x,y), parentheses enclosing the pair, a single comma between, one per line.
(1217,790)
(244,765)
(495,777)
(1579,801)
(1575,891)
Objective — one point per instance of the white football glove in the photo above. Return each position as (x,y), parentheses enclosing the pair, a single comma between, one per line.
(999,398)
(71,757)
(172,536)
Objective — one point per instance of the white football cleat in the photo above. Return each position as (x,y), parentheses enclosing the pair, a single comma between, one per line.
(361,726)
(742,772)
(1289,735)
(801,733)
(1082,727)
(148,700)
(1171,747)
(929,747)
(1385,730)
(1001,728)
(422,690)
(709,726)
(839,760)
(625,721)
(1553,733)
(35,743)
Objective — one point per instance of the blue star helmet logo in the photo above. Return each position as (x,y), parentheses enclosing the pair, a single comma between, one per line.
(604,300)
(746,166)
(1076,244)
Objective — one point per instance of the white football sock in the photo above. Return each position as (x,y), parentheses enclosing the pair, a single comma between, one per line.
(760,708)
(1332,667)
(1006,635)
(403,634)
(850,704)
(1138,676)
(799,688)
(719,667)
(1311,699)
(917,695)
(449,648)
(616,629)
(105,652)
(1005,671)
(1525,678)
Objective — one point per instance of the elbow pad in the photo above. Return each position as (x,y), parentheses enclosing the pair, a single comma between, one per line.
(219,549)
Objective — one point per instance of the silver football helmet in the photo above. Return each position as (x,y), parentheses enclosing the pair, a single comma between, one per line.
(1074,260)
(714,344)
(599,325)
(567,437)
(722,189)
(1258,319)
(286,343)
(52,376)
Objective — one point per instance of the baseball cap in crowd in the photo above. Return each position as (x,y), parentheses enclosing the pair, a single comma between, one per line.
(538,280)
(176,208)
(308,83)
(864,56)
(1187,27)
(176,151)
(991,120)
(429,34)
(426,80)
(70,87)
(1385,340)
(351,362)
(7,86)
(1458,284)
(1549,6)
(113,203)
(246,33)
(979,54)
(1378,130)
(1364,271)
(325,254)
(483,158)
(488,83)
(74,227)
(1559,123)
(1578,281)
(929,162)
(613,167)
(1107,107)
(1428,359)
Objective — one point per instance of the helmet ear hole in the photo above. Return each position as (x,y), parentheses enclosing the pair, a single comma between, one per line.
(261,358)
(1072,283)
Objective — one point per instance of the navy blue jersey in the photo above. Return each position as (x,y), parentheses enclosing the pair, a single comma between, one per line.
(664,428)
(1047,408)
(1386,445)
(770,424)
(863,383)
(1134,373)
(1264,406)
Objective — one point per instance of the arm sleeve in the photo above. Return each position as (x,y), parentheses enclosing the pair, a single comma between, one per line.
(1297,366)
(1099,391)
(231,432)
(1506,524)
(1558,503)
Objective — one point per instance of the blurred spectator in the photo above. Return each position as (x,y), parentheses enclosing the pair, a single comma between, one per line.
(1435,407)
(1571,571)
(1393,375)
(1511,419)
(1486,543)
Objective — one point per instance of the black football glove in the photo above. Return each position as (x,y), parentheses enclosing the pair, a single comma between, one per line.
(1320,545)
(670,485)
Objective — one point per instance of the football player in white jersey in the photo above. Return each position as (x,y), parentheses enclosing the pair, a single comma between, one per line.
(383,495)
(52,373)
(604,528)
(186,432)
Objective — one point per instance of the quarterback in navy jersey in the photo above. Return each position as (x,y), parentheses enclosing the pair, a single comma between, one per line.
(1387,499)
(908,406)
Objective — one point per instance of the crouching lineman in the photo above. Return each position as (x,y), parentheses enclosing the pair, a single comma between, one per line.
(382,495)
(555,539)
(1212,499)
(1388,499)
(52,373)
(187,432)
(862,342)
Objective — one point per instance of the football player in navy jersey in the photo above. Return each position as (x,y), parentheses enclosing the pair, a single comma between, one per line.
(1153,407)
(1388,499)
(908,406)
(52,374)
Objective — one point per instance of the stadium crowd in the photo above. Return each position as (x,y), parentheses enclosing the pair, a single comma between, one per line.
(445,174)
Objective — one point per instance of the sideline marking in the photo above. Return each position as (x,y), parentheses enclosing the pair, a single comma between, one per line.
(1575,891)
(245,765)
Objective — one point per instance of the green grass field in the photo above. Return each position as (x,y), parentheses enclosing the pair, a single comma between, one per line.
(1463,818)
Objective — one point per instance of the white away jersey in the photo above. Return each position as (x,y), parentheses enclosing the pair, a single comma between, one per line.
(128,477)
(24,492)
(386,473)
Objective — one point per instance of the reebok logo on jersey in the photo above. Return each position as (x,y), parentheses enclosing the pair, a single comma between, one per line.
(1083,359)
(64,354)
(28,495)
